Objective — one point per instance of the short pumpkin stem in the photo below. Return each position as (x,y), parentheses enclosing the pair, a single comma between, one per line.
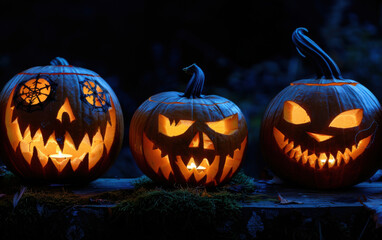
(59,61)
(195,85)
(306,46)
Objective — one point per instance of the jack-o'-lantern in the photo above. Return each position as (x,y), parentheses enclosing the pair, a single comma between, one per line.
(59,123)
(188,138)
(323,132)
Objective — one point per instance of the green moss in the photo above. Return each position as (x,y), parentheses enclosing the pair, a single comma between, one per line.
(170,214)
(171,211)
(168,211)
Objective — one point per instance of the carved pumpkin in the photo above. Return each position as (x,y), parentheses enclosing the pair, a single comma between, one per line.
(322,132)
(59,123)
(188,138)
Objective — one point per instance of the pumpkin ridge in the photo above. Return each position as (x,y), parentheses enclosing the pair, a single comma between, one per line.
(60,73)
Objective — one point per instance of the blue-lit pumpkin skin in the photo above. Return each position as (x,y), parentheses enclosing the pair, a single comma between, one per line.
(324,132)
(188,138)
(59,109)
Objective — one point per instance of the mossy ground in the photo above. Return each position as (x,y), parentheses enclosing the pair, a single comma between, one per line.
(170,212)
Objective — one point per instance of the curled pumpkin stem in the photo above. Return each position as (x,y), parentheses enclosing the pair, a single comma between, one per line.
(195,85)
(307,47)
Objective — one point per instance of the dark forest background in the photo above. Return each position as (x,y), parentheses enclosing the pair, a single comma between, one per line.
(244,48)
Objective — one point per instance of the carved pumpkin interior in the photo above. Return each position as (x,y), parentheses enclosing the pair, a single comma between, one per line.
(35,92)
(207,168)
(295,114)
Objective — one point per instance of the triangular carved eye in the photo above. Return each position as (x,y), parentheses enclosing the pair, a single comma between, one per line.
(295,114)
(348,119)
(226,126)
(172,129)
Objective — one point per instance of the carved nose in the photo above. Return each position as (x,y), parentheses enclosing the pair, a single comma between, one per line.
(207,143)
(319,137)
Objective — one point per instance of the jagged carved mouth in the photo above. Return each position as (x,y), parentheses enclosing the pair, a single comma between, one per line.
(322,159)
(205,171)
(68,153)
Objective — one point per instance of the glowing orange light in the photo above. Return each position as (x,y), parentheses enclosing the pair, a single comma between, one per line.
(60,156)
(319,137)
(172,129)
(94,149)
(207,143)
(35,91)
(294,113)
(195,141)
(65,108)
(298,154)
(226,126)
(348,119)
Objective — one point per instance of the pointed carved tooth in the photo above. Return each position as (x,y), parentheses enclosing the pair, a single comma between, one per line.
(331,161)
(353,148)
(339,158)
(346,155)
(75,162)
(280,138)
(291,154)
(298,153)
(162,154)
(304,156)
(312,160)
(203,165)
(295,151)
(289,147)
(298,156)
(322,160)
(231,154)
(213,169)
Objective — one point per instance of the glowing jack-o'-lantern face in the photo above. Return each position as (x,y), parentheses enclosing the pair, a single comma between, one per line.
(322,132)
(60,125)
(321,157)
(197,141)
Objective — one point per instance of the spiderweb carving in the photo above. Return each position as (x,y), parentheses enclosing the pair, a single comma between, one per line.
(95,96)
(33,94)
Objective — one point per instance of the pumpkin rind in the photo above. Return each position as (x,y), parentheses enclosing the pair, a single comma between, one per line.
(178,151)
(81,119)
(284,143)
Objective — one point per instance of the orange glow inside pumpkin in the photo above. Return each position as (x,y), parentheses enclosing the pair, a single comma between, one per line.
(319,137)
(51,150)
(294,113)
(207,143)
(298,154)
(226,126)
(195,141)
(348,119)
(65,108)
(35,91)
(159,163)
(172,129)
(94,94)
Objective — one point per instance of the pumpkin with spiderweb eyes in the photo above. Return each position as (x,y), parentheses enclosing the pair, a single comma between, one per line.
(322,132)
(60,123)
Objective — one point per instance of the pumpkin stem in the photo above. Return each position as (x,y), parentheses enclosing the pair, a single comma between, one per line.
(59,61)
(306,46)
(195,85)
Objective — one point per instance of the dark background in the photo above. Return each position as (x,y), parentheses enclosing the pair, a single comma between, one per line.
(245,49)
